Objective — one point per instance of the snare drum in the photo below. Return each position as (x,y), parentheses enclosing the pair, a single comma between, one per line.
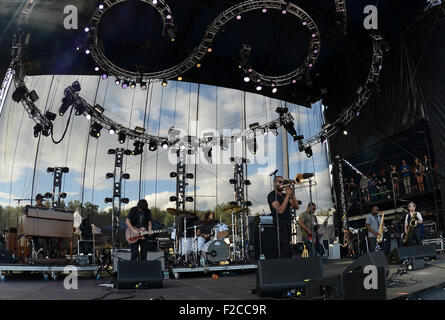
(222,231)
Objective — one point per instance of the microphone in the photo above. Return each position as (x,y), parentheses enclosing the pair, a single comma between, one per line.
(308,175)
(273,173)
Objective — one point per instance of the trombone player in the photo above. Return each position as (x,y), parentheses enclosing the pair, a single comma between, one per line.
(282,199)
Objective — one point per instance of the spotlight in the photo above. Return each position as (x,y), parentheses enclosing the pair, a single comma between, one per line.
(126,176)
(88,116)
(139,130)
(63,195)
(274,90)
(209,50)
(254,126)
(198,65)
(37,129)
(189,199)
(170,32)
(125,84)
(308,152)
(132,85)
(95,130)
(246,79)
(138,148)
(47,195)
(19,94)
(50,116)
(144,86)
(49,170)
(108,200)
(264,10)
(87,51)
(65,169)
(281,111)
(155,1)
(247,182)
(117,82)
(345,132)
(66,103)
(189,176)
(111,151)
(99,109)
(46,131)
(173,199)
(239,139)
(258,88)
(104,76)
(101,6)
(33,96)
(173,174)
(112,130)
(153,145)
(207,153)
(125,200)
(238,17)
(252,145)
(109,175)
(179,78)
(164,83)
(87,29)
(165,144)
(80,108)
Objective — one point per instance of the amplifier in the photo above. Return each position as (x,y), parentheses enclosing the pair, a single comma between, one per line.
(265,242)
(125,255)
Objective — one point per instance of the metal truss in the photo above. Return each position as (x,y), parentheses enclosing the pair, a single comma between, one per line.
(199,52)
(363,94)
(340,8)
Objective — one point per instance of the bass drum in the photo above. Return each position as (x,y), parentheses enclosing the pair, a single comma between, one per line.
(217,251)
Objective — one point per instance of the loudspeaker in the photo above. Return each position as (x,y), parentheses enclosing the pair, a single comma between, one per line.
(139,274)
(377,259)
(431,293)
(416,264)
(428,251)
(5,256)
(327,288)
(398,255)
(281,277)
(265,241)
(354,285)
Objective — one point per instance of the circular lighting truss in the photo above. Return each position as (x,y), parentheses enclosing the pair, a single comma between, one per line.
(204,47)
(363,94)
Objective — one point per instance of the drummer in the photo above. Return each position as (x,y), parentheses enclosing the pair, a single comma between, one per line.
(204,232)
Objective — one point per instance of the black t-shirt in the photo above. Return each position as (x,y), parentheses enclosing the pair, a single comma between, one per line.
(286,216)
(208,227)
(139,219)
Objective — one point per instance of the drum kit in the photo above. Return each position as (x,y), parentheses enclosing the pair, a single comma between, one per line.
(226,243)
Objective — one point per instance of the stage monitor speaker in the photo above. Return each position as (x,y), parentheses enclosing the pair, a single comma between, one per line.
(139,274)
(354,285)
(377,259)
(428,251)
(5,256)
(432,293)
(284,277)
(327,288)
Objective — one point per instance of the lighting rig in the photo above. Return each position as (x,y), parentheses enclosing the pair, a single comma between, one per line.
(363,94)
(117,175)
(180,198)
(240,193)
(57,184)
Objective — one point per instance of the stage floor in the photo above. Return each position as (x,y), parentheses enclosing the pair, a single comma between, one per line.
(197,286)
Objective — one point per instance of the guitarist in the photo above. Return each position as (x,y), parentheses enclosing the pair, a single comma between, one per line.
(139,217)
(309,228)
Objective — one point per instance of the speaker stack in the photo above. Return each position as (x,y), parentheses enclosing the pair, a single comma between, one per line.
(414,257)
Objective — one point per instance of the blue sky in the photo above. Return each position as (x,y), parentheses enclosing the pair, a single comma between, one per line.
(178,104)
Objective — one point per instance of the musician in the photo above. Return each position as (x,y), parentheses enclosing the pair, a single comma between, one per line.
(282,203)
(204,232)
(373,225)
(139,217)
(415,234)
(309,228)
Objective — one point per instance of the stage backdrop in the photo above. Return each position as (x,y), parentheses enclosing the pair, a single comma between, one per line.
(195,109)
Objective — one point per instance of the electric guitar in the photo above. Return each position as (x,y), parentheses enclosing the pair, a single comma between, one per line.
(320,235)
(132,237)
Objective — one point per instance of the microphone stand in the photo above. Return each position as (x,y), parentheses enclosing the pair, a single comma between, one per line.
(276,215)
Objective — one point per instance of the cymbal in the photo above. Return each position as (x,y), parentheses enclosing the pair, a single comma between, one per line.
(178,213)
(241,210)
(232,207)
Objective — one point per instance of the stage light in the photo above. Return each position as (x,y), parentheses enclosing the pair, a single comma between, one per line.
(37,129)
(264,10)
(49,170)
(63,195)
(48,195)
(232,181)
(238,17)
(138,148)
(87,29)
(95,130)
(179,78)
(139,130)
(254,126)
(144,86)
(65,169)
(170,31)
(108,200)
(289,126)
(345,132)
(46,131)
(274,90)
(99,109)
(109,175)
(126,176)
(127,152)
(173,199)
(248,203)
(247,182)
(189,176)
(117,82)
(239,139)
(66,103)
(33,96)
(173,174)
(88,116)
(96,69)
(189,199)
(164,83)
(132,85)
(281,110)
(19,94)
(169,16)
(165,144)
(79,107)
(153,145)
(104,76)
(209,50)
(125,84)
(258,88)
(50,116)
(246,79)
(111,151)
(87,51)
(101,6)
(308,152)
(125,200)
(155,1)
(222,143)
(111,130)
(207,153)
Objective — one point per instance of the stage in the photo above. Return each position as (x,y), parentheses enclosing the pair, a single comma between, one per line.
(195,286)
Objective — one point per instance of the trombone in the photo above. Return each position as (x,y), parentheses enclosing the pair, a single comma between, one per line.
(300,181)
